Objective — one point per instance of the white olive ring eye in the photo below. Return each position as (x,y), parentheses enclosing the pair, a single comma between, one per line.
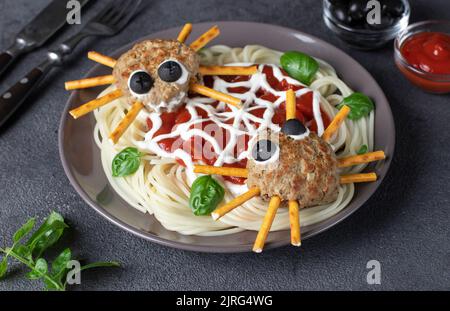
(140,82)
(264,150)
(172,71)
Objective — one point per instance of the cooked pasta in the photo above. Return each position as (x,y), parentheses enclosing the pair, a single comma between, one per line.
(161,185)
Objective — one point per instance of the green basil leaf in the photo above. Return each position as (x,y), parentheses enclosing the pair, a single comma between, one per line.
(50,219)
(24,230)
(51,286)
(360,105)
(23,251)
(48,238)
(299,66)
(47,234)
(59,265)
(100,264)
(363,149)
(206,194)
(40,269)
(3,266)
(126,162)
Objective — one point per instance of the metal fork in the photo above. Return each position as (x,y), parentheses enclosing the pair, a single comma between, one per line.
(113,18)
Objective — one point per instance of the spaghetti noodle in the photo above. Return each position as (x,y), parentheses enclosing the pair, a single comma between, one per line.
(161,186)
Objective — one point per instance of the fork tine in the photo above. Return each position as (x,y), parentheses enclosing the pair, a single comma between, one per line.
(127,14)
(107,16)
(120,12)
(101,15)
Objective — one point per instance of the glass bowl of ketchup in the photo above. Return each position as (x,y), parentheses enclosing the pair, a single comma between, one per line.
(422,53)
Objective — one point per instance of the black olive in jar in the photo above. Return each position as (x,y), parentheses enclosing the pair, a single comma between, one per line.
(357,10)
(394,8)
(354,13)
(339,11)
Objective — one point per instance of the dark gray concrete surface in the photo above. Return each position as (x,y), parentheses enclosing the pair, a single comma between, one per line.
(405,225)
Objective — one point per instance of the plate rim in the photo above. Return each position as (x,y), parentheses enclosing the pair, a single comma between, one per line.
(324,225)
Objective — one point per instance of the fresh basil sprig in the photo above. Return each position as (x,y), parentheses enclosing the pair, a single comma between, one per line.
(363,149)
(360,105)
(299,66)
(206,194)
(126,162)
(29,253)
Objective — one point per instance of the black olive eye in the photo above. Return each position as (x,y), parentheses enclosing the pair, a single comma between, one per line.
(141,82)
(263,150)
(293,127)
(170,71)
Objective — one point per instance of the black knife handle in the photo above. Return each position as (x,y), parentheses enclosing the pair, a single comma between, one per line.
(6,60)
(16,95)
(12,53)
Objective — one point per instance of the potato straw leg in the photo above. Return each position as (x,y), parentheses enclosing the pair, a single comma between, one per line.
(290,105)
(336,123)
(89,82)
(102,59)
(358,178)
(205,38)
(236,202)
(126,122)
(294,221)
(185,32)
(361,158)
(228,70)
(267,223)
(211,93)
(94,104)
(222,171)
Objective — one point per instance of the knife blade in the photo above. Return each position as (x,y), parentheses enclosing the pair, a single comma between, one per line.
(38,31)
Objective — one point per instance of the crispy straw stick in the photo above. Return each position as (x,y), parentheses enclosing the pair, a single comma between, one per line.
(208,92)
(336,123)
(228,70)
(223,171)
(267,223)
(290,105)
(205,38)
(102,59)
(126,122)
(94,104)
(362,158)
(185,32)
(294,221)
(90,82)
(224,209)
(356,178)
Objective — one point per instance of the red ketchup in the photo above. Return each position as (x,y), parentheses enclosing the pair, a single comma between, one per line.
(428,52)
(207,154)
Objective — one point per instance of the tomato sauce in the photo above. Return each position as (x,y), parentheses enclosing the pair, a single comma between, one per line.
(202,150)
(428,52)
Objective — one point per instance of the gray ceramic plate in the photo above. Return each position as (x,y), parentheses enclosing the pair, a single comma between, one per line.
(81,157)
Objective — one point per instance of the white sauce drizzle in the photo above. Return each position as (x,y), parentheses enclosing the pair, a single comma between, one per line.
(219,116)
(301,136)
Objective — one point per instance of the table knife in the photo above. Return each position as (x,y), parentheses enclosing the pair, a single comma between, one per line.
(37,32)
(108,22)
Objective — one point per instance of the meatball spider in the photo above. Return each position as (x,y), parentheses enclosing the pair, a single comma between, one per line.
(156,75)
(294,166)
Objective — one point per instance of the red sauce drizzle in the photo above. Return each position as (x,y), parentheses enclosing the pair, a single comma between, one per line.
(202,150)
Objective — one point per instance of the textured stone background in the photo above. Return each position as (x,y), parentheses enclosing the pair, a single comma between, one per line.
(405,225)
